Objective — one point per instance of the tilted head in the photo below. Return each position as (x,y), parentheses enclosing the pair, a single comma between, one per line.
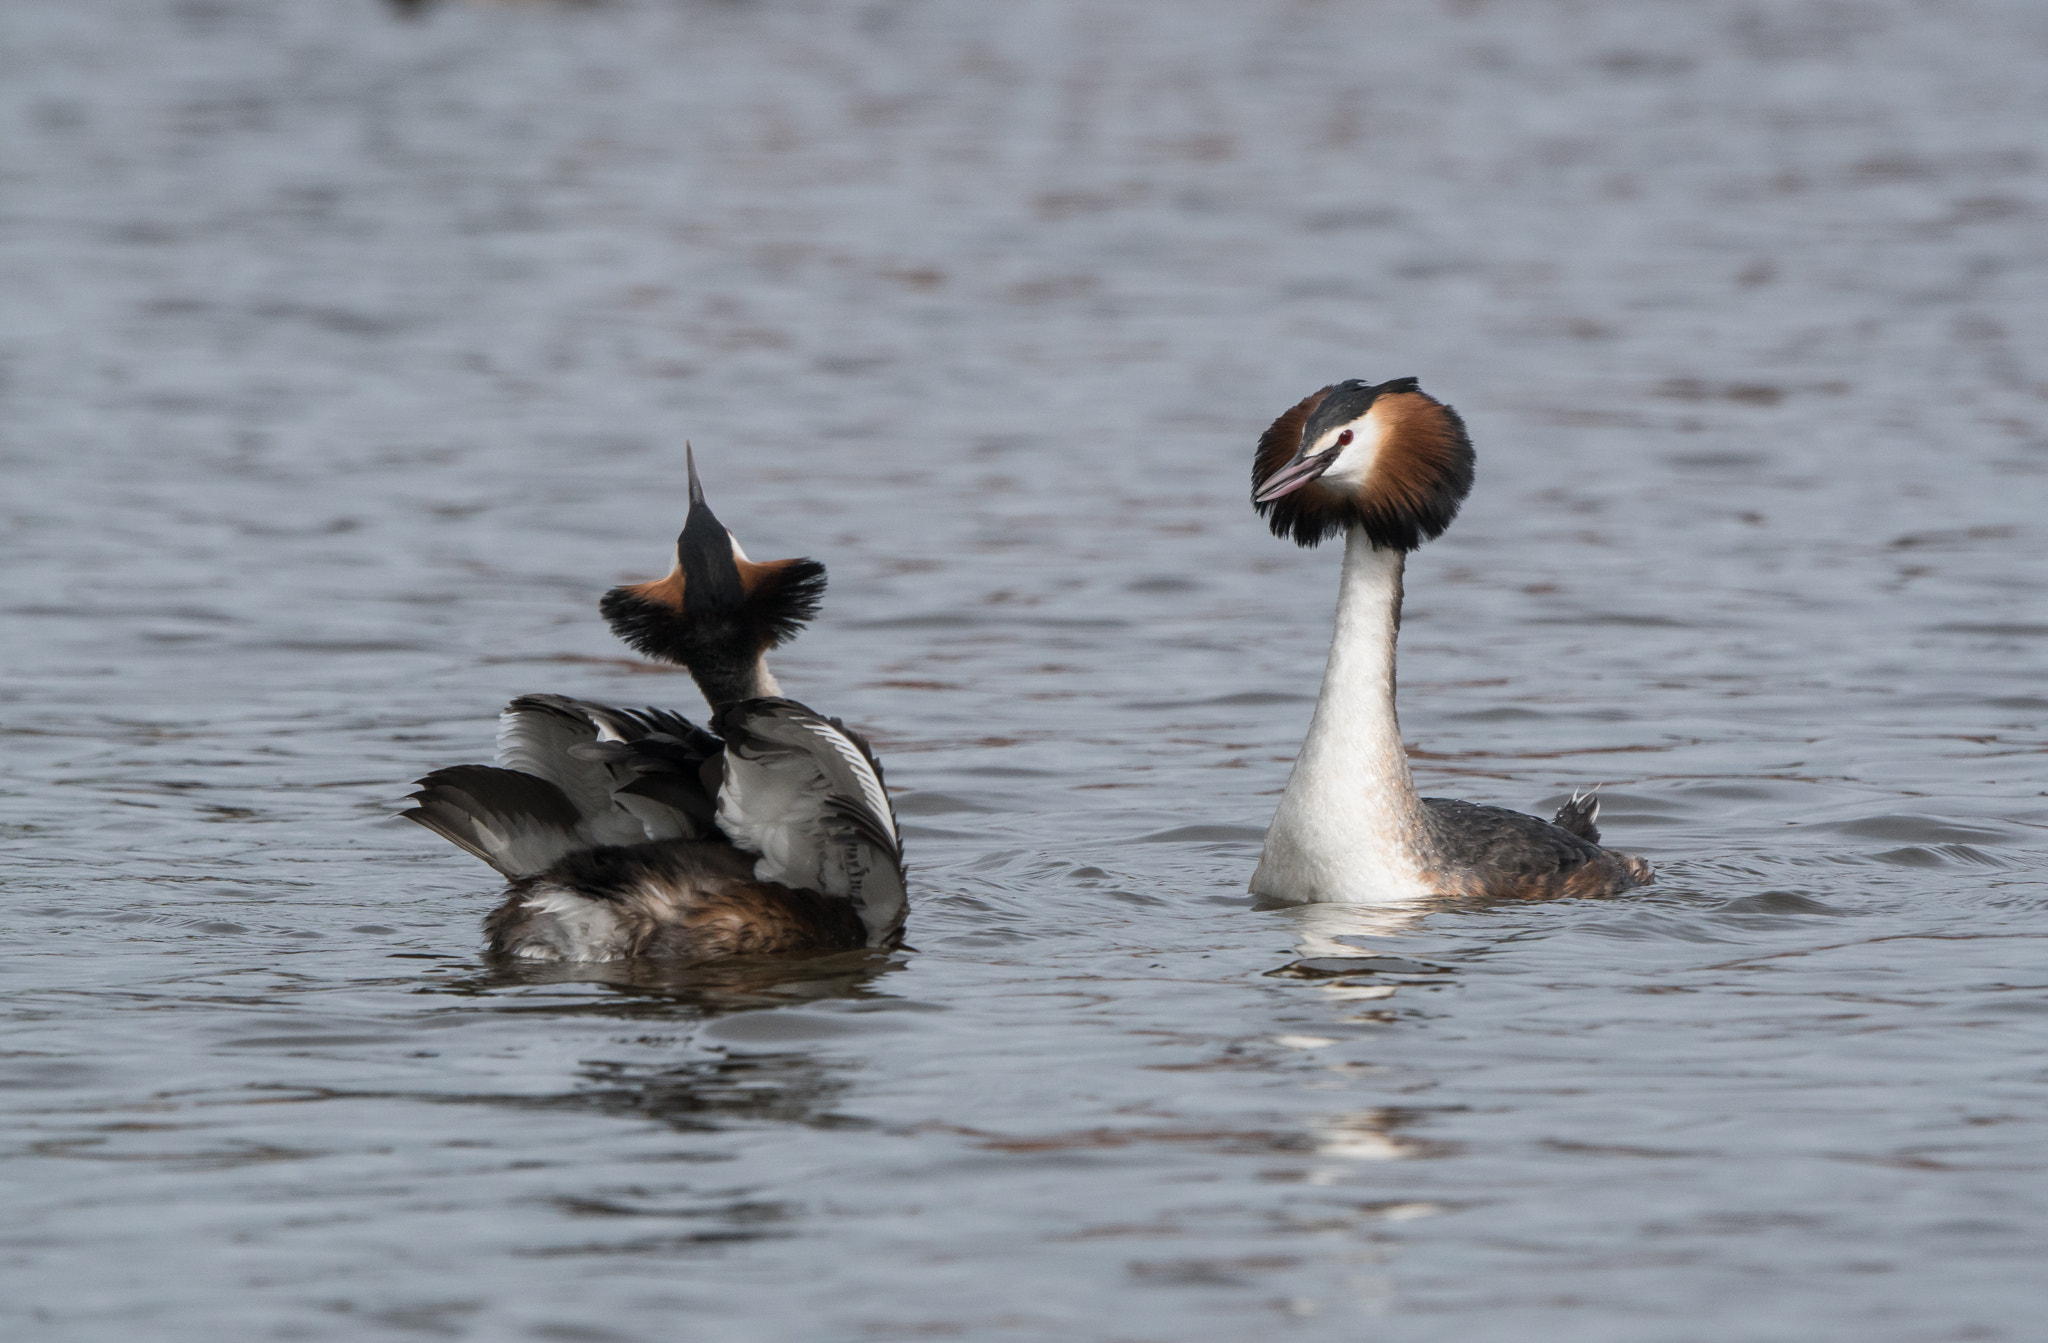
(717,612)
(1390,458)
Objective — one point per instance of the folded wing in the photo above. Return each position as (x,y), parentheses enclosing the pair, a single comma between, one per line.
(805,794)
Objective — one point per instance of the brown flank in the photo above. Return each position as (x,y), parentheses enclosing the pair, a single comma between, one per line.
(686,900)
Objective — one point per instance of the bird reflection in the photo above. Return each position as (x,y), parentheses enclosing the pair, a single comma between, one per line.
(738,984)
(1334,951)
(1320,930)
(708,1094)
(1368,1135)
(702,1092)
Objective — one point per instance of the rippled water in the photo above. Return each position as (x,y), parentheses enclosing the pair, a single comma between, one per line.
(347,358)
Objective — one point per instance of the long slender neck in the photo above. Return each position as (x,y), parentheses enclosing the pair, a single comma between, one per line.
(724,680)
(1349,827)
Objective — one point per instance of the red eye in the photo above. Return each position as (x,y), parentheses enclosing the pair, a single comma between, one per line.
(1344,439)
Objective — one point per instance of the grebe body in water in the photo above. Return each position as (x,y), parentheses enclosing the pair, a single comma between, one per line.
(1386,467)
(634,832)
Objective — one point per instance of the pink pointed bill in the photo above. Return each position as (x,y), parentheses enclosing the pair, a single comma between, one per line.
(1294,475)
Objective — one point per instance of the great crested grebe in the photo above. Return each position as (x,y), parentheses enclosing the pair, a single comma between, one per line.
(634,832)
(1387,466)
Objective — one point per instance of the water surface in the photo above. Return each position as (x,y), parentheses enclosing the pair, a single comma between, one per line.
(347,358)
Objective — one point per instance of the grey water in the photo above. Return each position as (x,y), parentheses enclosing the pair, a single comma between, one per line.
(347,355)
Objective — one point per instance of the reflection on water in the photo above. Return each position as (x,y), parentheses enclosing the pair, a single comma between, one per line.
(1323,930)
(347,361)
(709,1094)
(734,985)
(1362,1135)
(1370,1135)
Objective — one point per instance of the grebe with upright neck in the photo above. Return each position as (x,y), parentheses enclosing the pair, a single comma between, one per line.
(1386,466)
(634,832)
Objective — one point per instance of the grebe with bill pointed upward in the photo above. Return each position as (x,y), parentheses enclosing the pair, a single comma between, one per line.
(1386,466)
(634,832)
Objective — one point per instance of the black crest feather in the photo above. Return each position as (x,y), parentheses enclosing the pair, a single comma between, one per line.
(785,598)
(774,603)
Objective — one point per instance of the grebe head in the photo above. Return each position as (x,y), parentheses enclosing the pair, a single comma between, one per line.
(1388,457)
(716,606)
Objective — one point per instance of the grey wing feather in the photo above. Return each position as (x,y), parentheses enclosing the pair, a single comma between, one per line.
(517,823)
(574,776)
(600,757)
(806,794)
(760,727)
(539,734)
(875,885)
(1473,837)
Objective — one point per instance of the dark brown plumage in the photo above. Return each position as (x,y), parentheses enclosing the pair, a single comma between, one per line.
(677,899)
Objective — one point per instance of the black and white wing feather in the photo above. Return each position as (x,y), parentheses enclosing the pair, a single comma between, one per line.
(572,775)
(515,822)
(593,751)
(805,794)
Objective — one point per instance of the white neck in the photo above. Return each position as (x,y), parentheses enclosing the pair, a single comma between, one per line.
(1349,827)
